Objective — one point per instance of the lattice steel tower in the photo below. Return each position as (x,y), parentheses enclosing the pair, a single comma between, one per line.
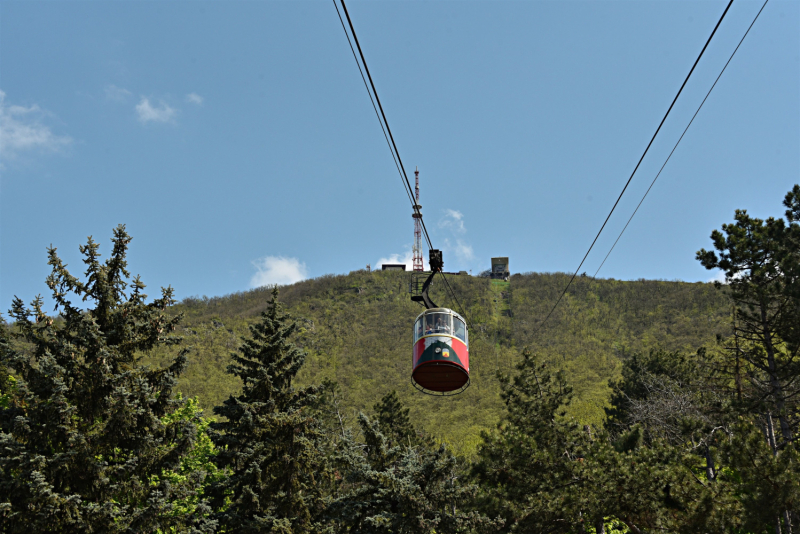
(417,215)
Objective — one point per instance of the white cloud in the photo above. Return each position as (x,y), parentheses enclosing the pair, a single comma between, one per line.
(21,130)
(406,258)
(194,98)
(464,251)
(456,247)
(149,113)
(278,270)
(117,94)
(720,277)
(454,221)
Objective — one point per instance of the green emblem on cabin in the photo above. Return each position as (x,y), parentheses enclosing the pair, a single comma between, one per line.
(439,351)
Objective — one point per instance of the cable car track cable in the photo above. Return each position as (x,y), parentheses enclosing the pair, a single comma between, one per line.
(388,129)
(372,100)
(392,146)
(679,139)
(635,168)
(453,294)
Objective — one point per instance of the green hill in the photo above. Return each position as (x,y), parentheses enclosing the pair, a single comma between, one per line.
(356,329)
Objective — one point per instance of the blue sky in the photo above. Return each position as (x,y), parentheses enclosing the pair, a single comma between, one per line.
(237,142)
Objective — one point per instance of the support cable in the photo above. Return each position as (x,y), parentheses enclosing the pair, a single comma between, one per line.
(390,138)
(637,166)
(389,130)
(453,294)
(681,137)
(372,100)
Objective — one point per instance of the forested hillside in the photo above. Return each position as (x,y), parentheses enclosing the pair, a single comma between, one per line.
(356,329)
(644,406)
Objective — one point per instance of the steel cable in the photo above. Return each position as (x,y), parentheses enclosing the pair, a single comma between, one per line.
(681,138)
(372,100)
(388,129)
(635,168)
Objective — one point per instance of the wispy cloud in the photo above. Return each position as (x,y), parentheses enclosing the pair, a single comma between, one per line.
(194,98)
(147,112)
(21,130)
(272,270)
(464,251)
(453,221)
(117,94)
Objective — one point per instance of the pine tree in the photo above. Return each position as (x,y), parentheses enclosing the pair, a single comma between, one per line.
(397,482)
(542,472)
(790,267)
(761,263)
(269,443)
(393,421)
(85,433)
(527,469)
(766,484)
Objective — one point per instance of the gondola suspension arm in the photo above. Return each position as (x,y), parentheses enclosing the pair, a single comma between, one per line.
(436,264)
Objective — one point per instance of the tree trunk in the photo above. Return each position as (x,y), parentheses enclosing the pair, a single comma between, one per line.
(600,526)
(636,530)
(710,472)
(787,519)
(771,434)
(774,382)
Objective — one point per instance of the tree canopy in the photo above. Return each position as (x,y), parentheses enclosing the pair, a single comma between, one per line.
(644,406)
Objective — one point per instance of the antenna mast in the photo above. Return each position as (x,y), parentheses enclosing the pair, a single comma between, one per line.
(417,215)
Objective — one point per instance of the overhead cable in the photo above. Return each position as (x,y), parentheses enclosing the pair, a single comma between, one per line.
(372,100)
(453,294)
(383,115)
(390,138)
(681,137)
(637,167)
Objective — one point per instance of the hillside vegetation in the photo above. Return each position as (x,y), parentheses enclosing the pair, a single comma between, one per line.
(643,406)
(356,329)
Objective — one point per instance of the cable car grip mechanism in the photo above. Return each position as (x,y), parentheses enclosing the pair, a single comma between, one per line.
(436,264)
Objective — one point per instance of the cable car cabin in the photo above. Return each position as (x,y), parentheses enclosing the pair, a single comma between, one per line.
(441,352)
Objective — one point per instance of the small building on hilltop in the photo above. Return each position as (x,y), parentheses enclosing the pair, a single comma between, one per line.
(500,269)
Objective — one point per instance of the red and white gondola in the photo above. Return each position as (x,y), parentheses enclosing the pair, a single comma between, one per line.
(441,352)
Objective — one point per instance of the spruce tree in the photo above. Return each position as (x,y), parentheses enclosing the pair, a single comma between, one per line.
(396,481)
(534,460)
(86,439)
(269,442)
(393,420)
(542,472)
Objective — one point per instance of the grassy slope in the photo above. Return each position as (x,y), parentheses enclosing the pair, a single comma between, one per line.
(357,330)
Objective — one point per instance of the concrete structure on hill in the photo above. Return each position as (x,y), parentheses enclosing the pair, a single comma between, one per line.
(500,269)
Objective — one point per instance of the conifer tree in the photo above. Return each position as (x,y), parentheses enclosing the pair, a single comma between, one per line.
(790,331)
(86,437)
(761,263)
(528,465)
(766,484)
(542,472)
(269,443)
(402,483)
(393,420)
